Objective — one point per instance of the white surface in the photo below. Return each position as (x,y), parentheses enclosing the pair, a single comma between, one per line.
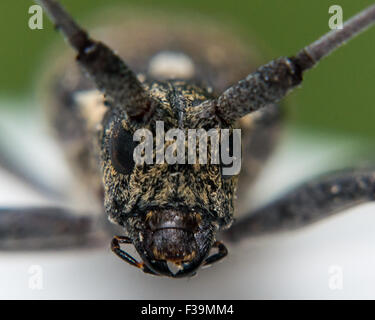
(294,265)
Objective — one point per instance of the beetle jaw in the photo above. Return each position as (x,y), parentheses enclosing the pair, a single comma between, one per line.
(172,243)
(172,237)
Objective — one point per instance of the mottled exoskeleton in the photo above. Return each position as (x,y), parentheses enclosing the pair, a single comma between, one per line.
(182,76)
(187,204)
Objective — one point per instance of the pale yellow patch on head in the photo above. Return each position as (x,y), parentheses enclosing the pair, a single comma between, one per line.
(92,108)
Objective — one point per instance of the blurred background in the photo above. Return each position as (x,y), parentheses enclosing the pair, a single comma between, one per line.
(329,125)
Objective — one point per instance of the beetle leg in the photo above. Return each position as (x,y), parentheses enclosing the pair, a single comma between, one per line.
(46,228)
(115,246)
(222,252)
(308,203)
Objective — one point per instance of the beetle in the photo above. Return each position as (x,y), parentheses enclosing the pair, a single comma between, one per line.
(172,213)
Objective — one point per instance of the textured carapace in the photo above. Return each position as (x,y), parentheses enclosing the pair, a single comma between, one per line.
(171,212)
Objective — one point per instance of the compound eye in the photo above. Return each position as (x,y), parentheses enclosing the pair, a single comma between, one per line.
(122,148)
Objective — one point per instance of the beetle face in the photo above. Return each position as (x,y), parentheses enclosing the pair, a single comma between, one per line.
(133,188)
(170,211)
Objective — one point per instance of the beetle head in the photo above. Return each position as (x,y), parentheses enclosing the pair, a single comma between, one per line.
(171,212)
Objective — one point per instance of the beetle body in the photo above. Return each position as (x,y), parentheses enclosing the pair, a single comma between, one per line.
(171,212)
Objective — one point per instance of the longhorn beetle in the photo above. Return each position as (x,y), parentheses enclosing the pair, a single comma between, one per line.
(172,214)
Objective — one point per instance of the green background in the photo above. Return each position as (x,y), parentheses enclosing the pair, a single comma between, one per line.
(338,95)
